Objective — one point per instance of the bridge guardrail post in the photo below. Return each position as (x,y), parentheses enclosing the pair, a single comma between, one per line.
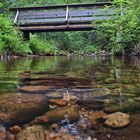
(67,16)
(16,17)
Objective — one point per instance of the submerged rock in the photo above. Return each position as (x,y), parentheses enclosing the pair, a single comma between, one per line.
(94,104)
(90,94)
(40,120)
(127,106)
(72,114)
(97,115)
(110,80)
(59,114)
(32,133)
(117,120)
(95,98)
(20,108)
(55,95)
(34,89)
(2,135)
(61,135)
(55,126)
(137,99)
(52,82)
(95,118)
(58,102)
(15,129)
(10,136)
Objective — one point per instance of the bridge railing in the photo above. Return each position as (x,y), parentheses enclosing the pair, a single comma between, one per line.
(62,14)
(89,5)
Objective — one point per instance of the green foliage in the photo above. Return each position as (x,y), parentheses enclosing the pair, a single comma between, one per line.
(74,41)
(92,48)
(123,33)
(48,2)
(10,42)
(117,35)
(41,47)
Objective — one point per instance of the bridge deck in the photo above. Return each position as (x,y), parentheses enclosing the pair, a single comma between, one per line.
(61,17)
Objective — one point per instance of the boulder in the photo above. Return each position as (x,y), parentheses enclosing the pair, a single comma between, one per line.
(32,133)
(117,120)
(21,108)
(59,114)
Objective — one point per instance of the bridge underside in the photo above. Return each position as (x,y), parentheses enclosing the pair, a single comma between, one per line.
(57,28)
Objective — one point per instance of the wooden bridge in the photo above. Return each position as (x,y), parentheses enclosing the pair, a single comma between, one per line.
(73,17)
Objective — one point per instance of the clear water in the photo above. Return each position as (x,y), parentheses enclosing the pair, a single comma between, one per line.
(117,74)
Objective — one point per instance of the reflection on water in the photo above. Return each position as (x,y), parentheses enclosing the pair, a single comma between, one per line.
(121,75)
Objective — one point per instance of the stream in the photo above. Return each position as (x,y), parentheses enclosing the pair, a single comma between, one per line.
(95,86)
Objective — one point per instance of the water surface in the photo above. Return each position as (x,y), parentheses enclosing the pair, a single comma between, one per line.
(117,74)
(81,76)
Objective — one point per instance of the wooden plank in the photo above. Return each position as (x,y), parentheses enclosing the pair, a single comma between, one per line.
(62,20)
(42,21)
(89,19)
(62,6)
(45,13)
(62,13)
(50,24)
(63,16)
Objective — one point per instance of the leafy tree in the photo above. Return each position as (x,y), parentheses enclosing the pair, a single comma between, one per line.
(122,34)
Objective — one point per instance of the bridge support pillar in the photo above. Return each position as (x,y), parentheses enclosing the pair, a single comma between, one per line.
(26,35)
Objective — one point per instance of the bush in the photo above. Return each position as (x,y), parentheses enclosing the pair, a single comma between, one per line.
(41,47)
(10,42)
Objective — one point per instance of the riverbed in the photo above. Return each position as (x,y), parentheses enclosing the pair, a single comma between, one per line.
(93,87)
